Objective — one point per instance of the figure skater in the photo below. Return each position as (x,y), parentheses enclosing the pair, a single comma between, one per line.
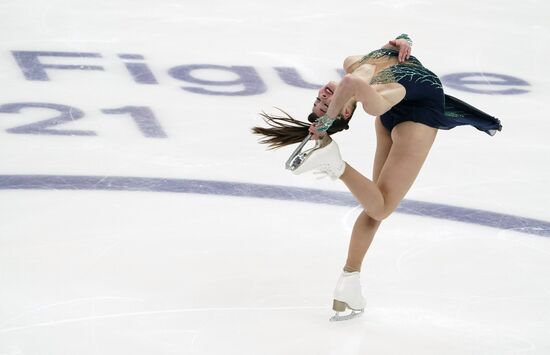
(410,107)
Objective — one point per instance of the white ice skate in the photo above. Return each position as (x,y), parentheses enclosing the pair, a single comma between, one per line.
(347,295)
(324,157)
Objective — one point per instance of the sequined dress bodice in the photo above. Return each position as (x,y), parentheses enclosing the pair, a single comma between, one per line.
(410,72)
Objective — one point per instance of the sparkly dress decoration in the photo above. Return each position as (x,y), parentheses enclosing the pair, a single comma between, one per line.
(424,101)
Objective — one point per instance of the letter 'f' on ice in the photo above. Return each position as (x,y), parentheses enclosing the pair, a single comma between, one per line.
(33,69)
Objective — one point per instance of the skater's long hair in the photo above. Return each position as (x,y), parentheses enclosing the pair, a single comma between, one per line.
(286,130)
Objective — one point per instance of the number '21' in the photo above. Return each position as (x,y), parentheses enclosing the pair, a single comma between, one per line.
(143,117)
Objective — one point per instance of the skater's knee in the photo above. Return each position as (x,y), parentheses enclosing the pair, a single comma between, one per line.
(380,214)
(380,207)
(369,221)
(378,217)
(386,207)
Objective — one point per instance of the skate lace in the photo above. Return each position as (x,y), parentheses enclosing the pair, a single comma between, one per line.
(322,172)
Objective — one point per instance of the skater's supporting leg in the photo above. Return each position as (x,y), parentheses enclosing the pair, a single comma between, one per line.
(365,227)
(361,237)
(397,164)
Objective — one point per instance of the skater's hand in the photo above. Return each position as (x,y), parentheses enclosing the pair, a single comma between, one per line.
(321,125)
(404,49)
(315,133)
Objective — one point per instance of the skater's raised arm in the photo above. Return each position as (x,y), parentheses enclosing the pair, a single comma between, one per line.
(355,88)
(403,43)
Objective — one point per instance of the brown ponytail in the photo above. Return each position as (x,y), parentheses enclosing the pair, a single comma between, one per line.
(286,130)
(282,131)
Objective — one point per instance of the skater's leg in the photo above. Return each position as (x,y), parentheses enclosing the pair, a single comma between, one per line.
(411,143)
(361,238)
(365,227)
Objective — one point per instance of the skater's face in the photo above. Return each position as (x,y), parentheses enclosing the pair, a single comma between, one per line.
(320,105)
(324,96)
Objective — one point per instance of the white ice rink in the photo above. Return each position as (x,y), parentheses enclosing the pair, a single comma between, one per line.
(139,216)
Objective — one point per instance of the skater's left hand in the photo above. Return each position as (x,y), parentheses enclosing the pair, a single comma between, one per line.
(404,49)
(321,125)
(315,133)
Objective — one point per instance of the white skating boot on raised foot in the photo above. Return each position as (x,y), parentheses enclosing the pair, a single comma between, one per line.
(348,295)
(324,158)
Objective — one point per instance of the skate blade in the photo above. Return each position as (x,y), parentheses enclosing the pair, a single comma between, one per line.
(340,306)
(354,314)
(298,157)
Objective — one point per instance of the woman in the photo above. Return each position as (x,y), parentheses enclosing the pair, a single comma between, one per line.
(410,107)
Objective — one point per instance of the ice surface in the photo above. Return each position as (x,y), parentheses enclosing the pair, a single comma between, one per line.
(129,242)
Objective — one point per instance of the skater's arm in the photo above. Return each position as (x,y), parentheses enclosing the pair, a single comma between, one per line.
(376,100)
(351,63)
(403,43)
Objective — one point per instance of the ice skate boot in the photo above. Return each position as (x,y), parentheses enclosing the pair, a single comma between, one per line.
(324,157)
(347,295)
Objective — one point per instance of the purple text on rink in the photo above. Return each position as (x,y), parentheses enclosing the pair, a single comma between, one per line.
(243,81)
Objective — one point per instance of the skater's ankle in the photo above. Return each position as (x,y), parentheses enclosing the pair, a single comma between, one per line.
(351,269)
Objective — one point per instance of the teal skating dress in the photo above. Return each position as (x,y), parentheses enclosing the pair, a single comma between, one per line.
(424,101)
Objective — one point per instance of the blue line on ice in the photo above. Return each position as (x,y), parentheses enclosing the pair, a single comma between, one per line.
(285,193)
